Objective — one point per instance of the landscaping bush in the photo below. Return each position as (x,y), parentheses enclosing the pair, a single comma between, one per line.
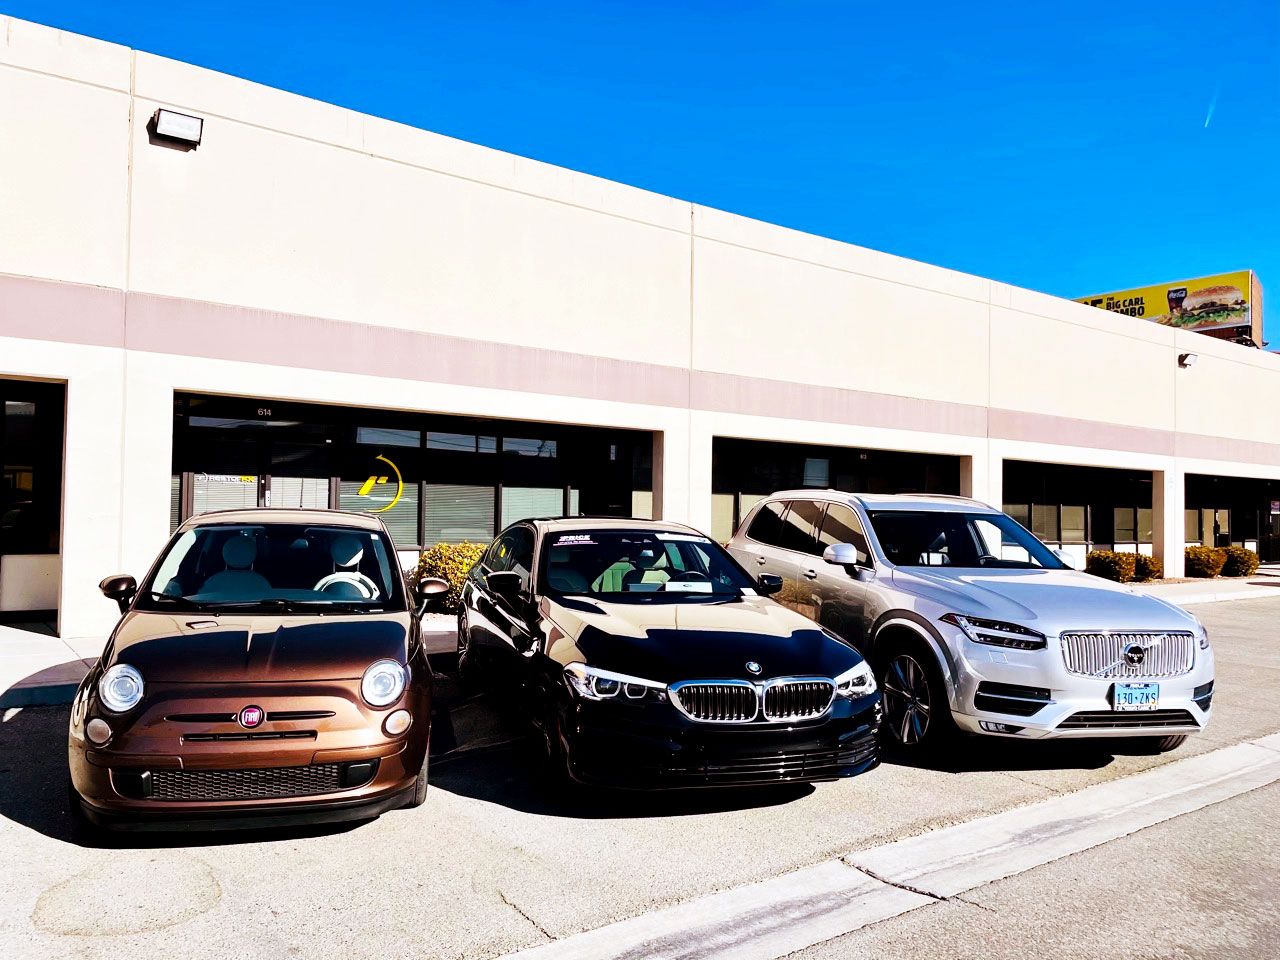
(450,562)
(1205,561)
(1111,565)
(1240,562)
(1147,568)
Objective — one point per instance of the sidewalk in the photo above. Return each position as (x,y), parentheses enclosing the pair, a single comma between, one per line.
(1265,583)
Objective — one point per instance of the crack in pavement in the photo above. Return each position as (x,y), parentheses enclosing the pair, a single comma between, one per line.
(896,883)
(532,922)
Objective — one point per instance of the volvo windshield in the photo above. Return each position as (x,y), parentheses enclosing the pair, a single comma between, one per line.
(275,567)
(958,539)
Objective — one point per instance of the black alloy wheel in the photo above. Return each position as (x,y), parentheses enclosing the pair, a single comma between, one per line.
(910,703)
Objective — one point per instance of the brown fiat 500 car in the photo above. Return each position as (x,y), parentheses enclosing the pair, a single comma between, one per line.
(268,670)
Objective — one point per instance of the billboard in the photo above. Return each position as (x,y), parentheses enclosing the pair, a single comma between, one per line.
(1226,305)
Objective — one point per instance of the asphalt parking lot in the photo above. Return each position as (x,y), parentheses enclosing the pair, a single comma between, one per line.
(494,862)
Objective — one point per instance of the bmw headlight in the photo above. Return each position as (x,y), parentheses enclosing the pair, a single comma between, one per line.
(997,633)
(383,683)
(857,682)
(120,688)
(592,683)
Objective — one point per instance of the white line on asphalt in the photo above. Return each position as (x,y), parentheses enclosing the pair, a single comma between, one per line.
(766,920)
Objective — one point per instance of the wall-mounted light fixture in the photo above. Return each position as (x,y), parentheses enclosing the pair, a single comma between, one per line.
(1187,359)
(176,129)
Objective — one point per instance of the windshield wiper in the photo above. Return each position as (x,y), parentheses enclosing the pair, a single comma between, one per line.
(179,601)
(271,603)
(293,606)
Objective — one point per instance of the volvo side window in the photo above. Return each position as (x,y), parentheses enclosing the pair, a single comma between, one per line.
(800,527)
(766,526)
(841,525)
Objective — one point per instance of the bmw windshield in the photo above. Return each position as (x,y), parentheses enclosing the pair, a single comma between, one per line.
(640,566)
(274,567)
(946,538)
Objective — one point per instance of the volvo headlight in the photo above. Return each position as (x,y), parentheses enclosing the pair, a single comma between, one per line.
(120,688)
(383,683)
(857,682)
(593,683)
(996,633)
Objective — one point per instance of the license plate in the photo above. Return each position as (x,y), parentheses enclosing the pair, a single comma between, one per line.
(1136,696)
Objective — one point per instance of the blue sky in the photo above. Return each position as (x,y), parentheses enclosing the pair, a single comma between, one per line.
(1072,150)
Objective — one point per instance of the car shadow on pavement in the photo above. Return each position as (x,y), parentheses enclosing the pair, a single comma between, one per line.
(974,754)
(33,791)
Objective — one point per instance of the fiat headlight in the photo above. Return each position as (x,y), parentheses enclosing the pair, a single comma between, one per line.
(120,688)
(857,682)
(593,683)
(383,683)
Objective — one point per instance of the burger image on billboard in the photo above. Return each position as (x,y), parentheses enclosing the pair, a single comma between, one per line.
(1212,307)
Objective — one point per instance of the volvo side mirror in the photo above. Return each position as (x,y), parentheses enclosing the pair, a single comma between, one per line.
(1065,558)
(851,558)
(120,588)
(768,584)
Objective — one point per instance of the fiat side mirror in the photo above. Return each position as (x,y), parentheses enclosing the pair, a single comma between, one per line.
(769,584)
(426,588)
(120,588)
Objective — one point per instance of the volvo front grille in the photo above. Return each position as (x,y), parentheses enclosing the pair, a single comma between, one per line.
(797,699)
(1123,656)
(717,701)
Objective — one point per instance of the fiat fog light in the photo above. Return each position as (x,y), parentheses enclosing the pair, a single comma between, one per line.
(383,683)
(857,682)
(398,722)
(592,683)
(98,731)
(120,688)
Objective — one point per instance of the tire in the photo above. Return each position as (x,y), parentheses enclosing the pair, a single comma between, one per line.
(419,795)
(83,831)
(1165,744)
(917,714)
(468,674)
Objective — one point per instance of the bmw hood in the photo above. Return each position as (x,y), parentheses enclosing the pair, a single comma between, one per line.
(259,649)
(667,642)
(1050,601)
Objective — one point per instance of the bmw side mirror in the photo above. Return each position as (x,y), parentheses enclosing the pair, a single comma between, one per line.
(769,584)
(504,584)
(426,588)
(120,588)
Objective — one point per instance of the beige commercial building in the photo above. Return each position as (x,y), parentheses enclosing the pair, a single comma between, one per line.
(317,307)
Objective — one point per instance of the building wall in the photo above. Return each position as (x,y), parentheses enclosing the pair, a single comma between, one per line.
(308,252)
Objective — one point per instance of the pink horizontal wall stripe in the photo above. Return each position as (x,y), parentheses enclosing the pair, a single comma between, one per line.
(101,316)
(63,312)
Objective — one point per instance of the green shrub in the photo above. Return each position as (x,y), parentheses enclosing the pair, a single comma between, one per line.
(1240,562)
(450,562)
(1205,561)
(1111,565)
(1147,568)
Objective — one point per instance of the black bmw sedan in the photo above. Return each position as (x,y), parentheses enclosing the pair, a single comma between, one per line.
(649,658)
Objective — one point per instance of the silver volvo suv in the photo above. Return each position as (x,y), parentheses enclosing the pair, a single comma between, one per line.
(974,624)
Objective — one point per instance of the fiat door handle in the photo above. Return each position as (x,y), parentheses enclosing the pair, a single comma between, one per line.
(811,574)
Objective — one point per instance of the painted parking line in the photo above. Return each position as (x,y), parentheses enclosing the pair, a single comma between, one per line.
(762,921)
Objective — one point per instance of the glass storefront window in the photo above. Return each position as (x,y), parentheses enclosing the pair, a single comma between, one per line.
(817,472)
(461,442)
(520,503)
(388,437)
(1020,512)
(1191,525)
(31,432)
(1126,527)
(396,505)
(1073,524)
(218,491)
(1146,524)
(1044,521)
(526,447)
(455,512)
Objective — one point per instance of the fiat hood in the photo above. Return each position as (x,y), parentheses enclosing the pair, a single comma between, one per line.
(667,642)
(199,648)
(1050,601)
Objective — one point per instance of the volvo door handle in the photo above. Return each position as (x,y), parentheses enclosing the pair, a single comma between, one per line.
(811,574)
(760,560)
